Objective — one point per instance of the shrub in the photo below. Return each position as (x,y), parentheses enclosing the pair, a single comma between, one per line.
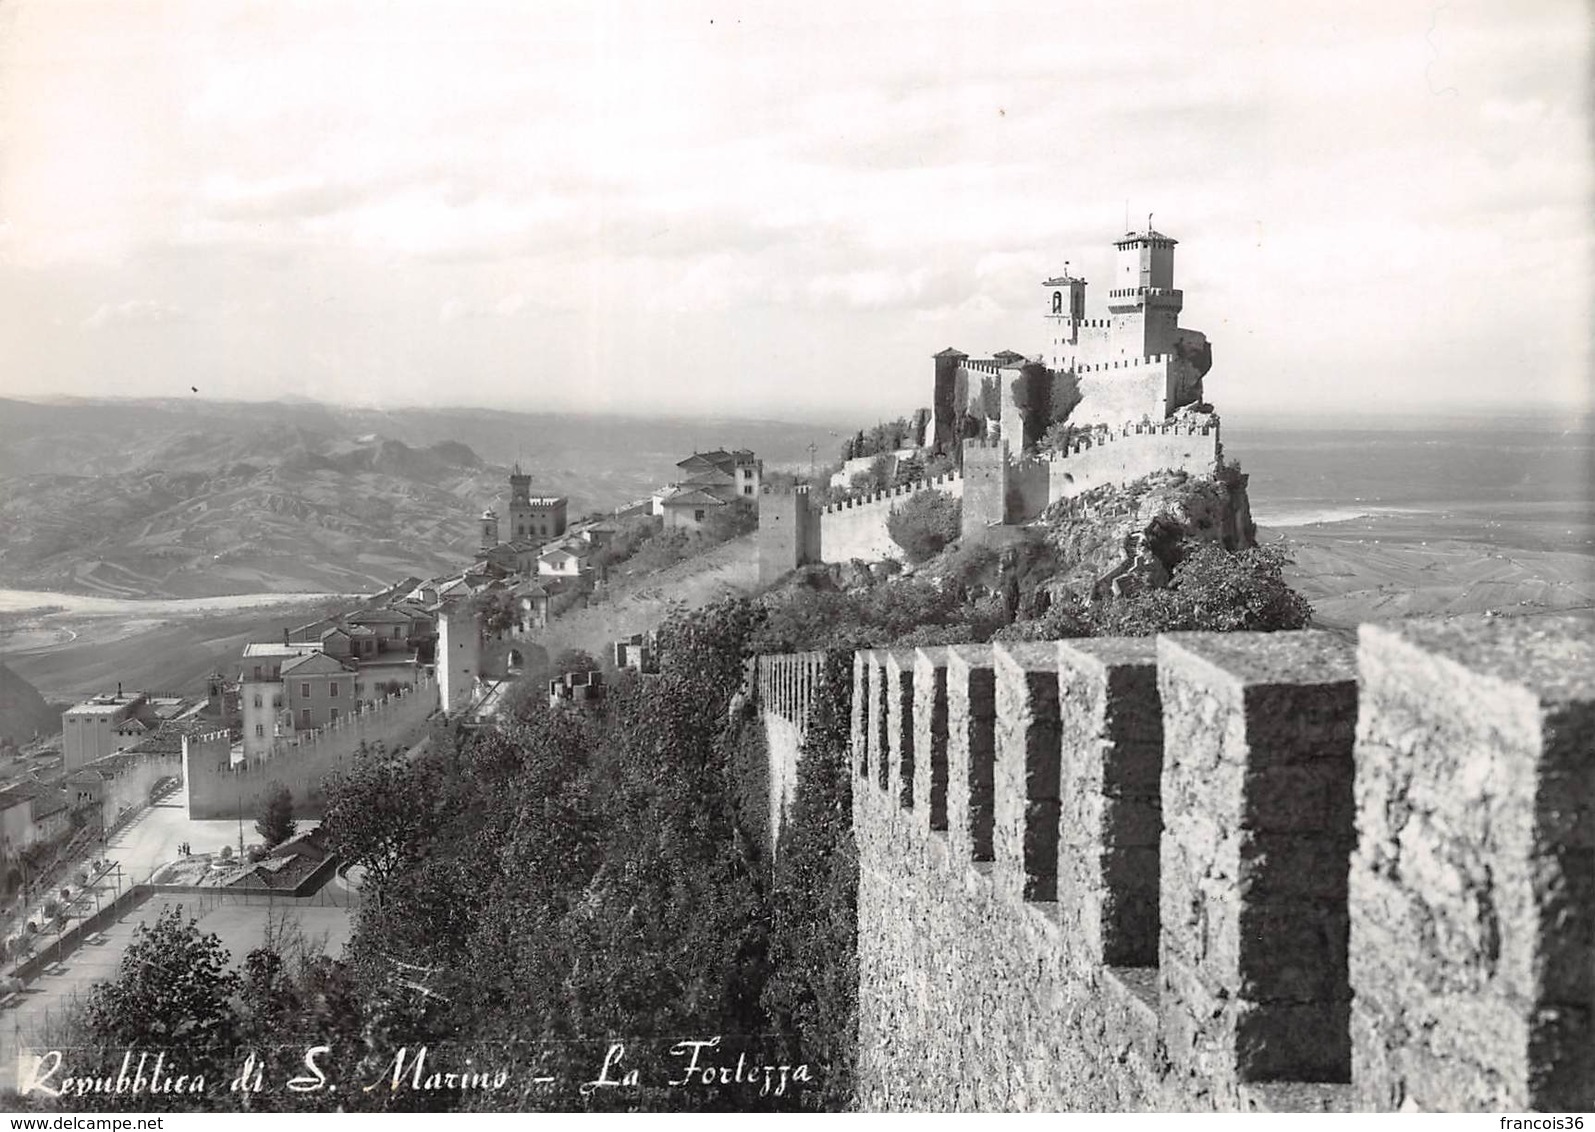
(925,523)
(274,820)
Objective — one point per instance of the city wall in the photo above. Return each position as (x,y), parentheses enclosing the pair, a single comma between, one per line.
(787,687)
(1244,871)
(215,787)
(1128,453)
(857,529)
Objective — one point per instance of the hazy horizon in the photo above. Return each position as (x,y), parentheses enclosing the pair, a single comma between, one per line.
(1576,417)
(772,211)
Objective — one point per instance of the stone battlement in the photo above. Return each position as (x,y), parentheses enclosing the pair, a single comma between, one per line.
(938,483)
(1098,437)
(217,787)
(1229,871)
(786,688)
(1149,362)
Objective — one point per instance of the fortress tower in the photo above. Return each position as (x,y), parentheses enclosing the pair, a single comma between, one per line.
(1143,302)
(489,529)
(533,516)
(1065,309)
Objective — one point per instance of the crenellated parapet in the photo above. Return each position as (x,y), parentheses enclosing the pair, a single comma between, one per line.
(951,482)
(786,689)
(1230,871)
(217,787)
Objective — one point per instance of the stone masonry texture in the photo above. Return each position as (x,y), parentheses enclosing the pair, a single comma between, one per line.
(1286,875)
(1473,885)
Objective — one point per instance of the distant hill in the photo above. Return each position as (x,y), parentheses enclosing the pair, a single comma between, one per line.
(23,711)
(194,498)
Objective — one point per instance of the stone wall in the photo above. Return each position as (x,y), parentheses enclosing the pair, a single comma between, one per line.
(1125,455)
(857,529)
(1230,872)
(786,687)
(985,487)
(215,787)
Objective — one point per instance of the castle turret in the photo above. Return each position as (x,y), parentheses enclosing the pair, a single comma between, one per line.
(945,401)
(1143,300)
(1064,313)
(489,529)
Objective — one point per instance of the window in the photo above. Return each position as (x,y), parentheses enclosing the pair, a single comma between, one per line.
(748,490)
(257,672)
(304,717)
(260,730)
(333,689)
(258,701)
(304,690)
(334,717)
(276,701)
(358,687)
(697,516)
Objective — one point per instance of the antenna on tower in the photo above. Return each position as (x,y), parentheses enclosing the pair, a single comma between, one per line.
(1149,224)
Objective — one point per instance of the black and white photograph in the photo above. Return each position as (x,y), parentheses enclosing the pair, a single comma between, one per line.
(620,557)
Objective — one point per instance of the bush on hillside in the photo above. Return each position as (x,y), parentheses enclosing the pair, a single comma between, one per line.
(925,523)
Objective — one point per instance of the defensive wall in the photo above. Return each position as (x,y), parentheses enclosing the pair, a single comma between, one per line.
(995,488)
(1000,488)
(216,787)
(857,528)
(787,687)
(1240,871)
(1110,391)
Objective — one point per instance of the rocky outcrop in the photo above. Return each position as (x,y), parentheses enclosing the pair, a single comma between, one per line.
(1116,539)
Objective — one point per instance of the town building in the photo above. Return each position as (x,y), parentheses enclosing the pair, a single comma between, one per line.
(725,475)
(687,509)
(638,652)
(564,561)
(577,689)
(105,724)
(533,516)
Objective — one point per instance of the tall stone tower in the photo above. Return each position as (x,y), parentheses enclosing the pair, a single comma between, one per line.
(459,656)
(1143,302)
(489,529)
(520,502)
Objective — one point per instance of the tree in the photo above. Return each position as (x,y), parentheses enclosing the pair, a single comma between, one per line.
(573,660)
(382,812)
(172,993)
(925,523)
(1215,591)
(274,820)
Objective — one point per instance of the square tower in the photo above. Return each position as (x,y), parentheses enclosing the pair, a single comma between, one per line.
(1143,302)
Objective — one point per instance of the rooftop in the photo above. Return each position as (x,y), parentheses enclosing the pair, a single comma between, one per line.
(277,648)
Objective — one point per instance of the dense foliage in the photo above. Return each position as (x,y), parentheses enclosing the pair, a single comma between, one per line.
(925,523)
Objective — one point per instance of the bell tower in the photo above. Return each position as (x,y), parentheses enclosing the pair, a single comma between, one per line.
(1064,312)
(520,509)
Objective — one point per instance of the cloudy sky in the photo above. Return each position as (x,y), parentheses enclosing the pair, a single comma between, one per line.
(783,209)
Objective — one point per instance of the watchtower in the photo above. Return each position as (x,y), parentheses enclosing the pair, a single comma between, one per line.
(489,529)
(1143,302)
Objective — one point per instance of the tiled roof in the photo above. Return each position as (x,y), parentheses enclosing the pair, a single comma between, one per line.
(378,617)
(315,664)
(694,499)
